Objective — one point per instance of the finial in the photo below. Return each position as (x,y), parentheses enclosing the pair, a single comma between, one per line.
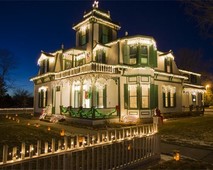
(62,46)
(95,4)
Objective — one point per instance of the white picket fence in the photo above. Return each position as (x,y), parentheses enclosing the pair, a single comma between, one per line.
(111,149)
(16,110)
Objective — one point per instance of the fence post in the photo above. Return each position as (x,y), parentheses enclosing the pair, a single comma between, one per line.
(53,145)
(107,136)
(5,153)
(65,143)
(77,141)
(31,151)
(119,134)
(22,150)
(14,154)
(123,133)
(38,148)
(115,134)
(46,147)
(59,145)
(88,140)
(72,143)
(98,138)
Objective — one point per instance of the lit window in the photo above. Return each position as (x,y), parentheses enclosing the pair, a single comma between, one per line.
(105,34)
(193,98)
(100,56)
(68,64)
(132,54)
(144,55)
(44,67)
(133,96)
(87,95)
(77,95)
(168,65)
(42,98)
(83,37)
(145,96)
(169,96)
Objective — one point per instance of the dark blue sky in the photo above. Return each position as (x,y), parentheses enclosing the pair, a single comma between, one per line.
(27,27)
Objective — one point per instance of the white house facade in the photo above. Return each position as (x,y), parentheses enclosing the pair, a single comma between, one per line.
(111,76)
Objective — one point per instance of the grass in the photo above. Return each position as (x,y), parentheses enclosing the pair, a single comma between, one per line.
(196,131)
(182,164)
(13,133)
(192,130)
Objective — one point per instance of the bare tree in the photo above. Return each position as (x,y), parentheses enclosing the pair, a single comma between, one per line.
(188,59)
(7,63)
(22,98)
(202,12)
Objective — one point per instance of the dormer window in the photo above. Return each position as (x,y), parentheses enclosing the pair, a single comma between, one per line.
(143,54)
(44,66)
(168,65)
(133,54)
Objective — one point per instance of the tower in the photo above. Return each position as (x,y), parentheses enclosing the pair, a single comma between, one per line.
(95,27)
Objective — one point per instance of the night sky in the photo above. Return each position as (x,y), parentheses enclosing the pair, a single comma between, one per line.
(27,27)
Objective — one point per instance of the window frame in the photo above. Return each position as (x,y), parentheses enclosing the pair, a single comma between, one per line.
(144,55)
(145,96)
(169,99)
(42,98)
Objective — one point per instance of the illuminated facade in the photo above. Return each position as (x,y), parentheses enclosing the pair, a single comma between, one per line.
(128,74)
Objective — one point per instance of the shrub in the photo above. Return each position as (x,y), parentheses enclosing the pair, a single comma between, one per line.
(182,114)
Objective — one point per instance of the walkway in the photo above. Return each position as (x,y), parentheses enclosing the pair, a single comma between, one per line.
(205,155)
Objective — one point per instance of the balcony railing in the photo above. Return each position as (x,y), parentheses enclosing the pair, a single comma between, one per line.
(87,68)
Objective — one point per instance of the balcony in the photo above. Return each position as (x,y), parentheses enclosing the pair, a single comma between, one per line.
(87,68)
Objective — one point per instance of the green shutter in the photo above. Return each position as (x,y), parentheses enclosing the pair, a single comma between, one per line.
(126,53)
(79,38)
(165,64)
(97,98)
(169,99)
(46,99)
(156,95)
(39,99)
(87,35)
(126,96)
(110,34)
(139,96)
(42,98)
(138,55)
(164,99)
(152,56)
(100,33)
(171,65)
(153,96)
(174,99)
(104,97)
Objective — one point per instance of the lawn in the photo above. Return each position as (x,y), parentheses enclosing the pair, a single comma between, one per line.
(184,164)
(196,131)
(13,133)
